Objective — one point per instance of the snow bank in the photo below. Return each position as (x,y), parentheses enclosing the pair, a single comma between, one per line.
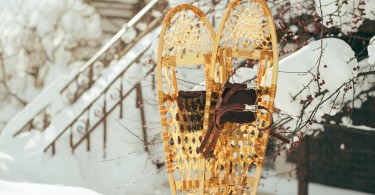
(13,188)
(298,76)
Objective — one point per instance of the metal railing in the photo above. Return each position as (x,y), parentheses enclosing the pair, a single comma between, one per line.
(87,75)
(84,124)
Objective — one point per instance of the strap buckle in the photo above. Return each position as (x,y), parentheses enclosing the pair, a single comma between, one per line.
(252,108)
(250,86)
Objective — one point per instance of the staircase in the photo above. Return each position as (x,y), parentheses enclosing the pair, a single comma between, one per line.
(76,105)
(115,13)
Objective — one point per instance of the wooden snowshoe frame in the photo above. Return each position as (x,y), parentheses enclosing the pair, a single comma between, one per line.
(186,39)
(246,31)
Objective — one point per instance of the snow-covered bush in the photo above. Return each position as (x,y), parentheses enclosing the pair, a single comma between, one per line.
(38,41)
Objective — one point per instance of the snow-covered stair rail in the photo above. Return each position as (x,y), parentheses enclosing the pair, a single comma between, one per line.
(108,93)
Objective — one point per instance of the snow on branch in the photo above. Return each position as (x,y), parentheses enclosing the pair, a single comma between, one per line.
(345,14)
(317,82)
(314,83)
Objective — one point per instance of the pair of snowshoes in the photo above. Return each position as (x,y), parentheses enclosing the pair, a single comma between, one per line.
(205,154)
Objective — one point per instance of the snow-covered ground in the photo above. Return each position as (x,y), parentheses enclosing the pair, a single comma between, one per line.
(14,188)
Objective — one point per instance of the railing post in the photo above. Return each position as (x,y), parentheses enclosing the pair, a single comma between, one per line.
(53,149)
(71,139)
(121,90)
(87,129)
(105,126)
(140,105)
(91,77)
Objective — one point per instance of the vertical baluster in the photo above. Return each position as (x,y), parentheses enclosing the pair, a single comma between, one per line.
(71,139)
(153,81)
(121,96)
(87,129)
(45,119)
(104,125)
(139,104)
(53,149)
(76,95)
(91,76)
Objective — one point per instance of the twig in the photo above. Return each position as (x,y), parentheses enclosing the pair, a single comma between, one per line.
(127,129)
(138,180)
(5,84)
(128,154)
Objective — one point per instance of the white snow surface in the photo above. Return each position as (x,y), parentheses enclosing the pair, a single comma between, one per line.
(371,51)
(298,70)
(14,188)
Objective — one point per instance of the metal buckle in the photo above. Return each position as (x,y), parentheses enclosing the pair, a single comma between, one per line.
(250,86)
(252,108)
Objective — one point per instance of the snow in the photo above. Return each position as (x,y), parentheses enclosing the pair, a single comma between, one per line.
(39,39)
(295,73)
(347,123)
(14,188)
(25,159)
(130,34)
(370,10)
(21,159)
(296,79)
(299,7)
(53,91)
(371,51)
(45,98)
(173,3)
(347,16)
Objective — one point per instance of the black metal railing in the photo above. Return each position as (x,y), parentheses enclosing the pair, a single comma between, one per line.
(96,113)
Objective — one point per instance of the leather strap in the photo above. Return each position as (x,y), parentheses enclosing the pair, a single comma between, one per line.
(237,108)
(213,134)
(232,91)
(206,150)
(214,129)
